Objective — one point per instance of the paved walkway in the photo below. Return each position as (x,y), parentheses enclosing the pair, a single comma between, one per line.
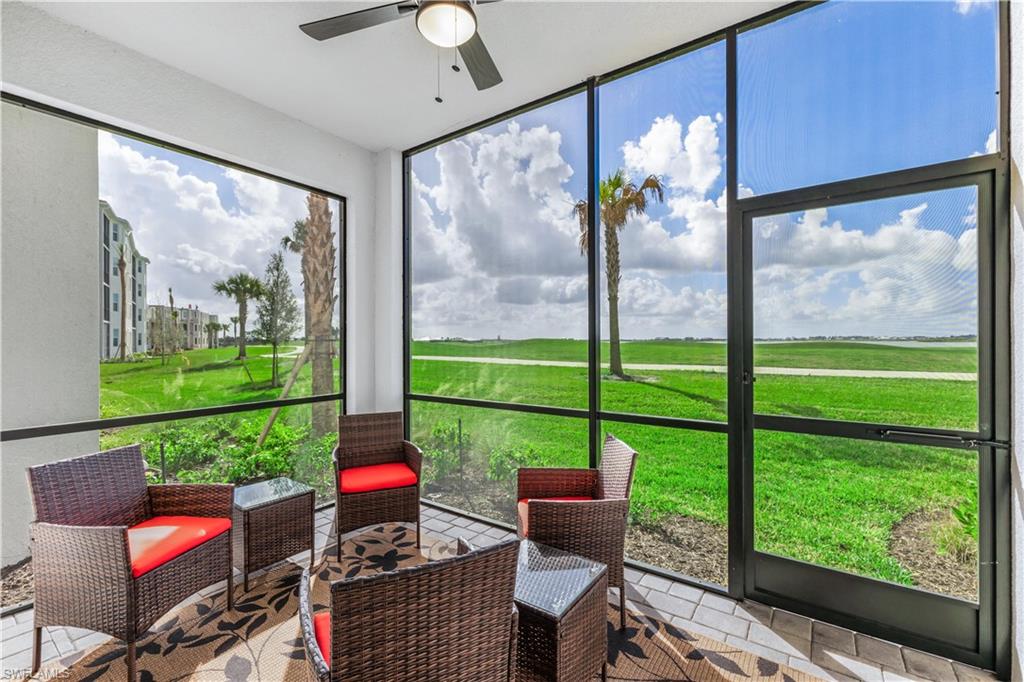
(720,369)
(820,649)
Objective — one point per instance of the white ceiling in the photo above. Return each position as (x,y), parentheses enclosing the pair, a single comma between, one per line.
(376,87)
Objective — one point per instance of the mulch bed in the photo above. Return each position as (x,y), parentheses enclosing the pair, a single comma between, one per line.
(686,545)
(16,583)
(913,544)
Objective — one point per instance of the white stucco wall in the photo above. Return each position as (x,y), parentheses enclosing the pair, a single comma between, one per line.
(1017,328)
(49,181)
(58,63)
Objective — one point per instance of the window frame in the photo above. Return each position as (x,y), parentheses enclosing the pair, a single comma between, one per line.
(99,424)
(991,440)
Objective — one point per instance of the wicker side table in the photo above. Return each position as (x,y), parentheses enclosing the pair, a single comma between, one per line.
(563,613)
(272,521)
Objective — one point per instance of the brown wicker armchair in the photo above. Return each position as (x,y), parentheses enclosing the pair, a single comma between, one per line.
(113,554)
(582,511)
(377,473)
(451,620)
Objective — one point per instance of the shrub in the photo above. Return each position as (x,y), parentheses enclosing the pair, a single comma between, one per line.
(505,460)
(958,534)
(443,451)
(224,450)
(313,464)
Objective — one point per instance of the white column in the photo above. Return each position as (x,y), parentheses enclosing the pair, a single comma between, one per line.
(388,330)
(50,309)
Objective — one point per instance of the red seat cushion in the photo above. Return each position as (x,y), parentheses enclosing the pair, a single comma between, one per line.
(524,515)
(376,477)
(156,541)
(322,631)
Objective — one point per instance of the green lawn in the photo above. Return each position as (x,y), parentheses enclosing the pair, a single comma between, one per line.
(805,354)
(827,500)
(196,378)
(703,395)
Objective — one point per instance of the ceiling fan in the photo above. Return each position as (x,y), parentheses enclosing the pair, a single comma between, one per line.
(445,23)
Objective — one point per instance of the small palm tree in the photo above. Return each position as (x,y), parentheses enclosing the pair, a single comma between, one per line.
(234,321)
(242,287)
(620,199)
(211,333)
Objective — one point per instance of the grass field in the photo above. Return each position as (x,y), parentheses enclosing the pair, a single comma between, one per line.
(831,501)
(805,354)
(825,500)
(196,378)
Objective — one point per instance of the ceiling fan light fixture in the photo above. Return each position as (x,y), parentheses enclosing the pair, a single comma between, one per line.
(446,23)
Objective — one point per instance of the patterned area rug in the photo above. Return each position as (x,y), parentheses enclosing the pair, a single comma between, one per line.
(261,639)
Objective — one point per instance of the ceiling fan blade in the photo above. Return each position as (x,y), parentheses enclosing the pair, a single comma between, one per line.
(478,61)
(355,21)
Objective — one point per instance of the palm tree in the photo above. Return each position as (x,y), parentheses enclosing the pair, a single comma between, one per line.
(234,321)
(319,263)
(122,264)
(211,333)
(620,199)
(224,332)
(242,287)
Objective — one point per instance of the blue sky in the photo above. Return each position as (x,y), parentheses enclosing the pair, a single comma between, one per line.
(842,90)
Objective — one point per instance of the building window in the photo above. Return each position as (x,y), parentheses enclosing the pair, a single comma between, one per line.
(106,230)
(115,295)
(115,232)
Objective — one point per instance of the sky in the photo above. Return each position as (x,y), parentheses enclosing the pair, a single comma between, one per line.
(198,222)
(842,90)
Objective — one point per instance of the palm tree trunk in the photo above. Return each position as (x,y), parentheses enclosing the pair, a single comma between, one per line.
(242,313)
(318,273)
(612,270)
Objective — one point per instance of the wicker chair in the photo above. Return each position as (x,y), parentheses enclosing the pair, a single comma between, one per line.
(377,473)
(582,511)
(99,561)
(451,620)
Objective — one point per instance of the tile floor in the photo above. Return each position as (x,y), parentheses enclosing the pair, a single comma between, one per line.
(826,651)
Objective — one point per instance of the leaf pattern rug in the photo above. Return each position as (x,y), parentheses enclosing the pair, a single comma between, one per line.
(261,641)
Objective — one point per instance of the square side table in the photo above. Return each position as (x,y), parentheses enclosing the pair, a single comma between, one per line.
(563,613)
(272,521)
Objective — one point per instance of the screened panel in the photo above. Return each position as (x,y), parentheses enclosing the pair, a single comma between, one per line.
(869,311)
(848,89)
(499,283)
(663,238)
(680,503)
(471,454)
(903,513)
(239,448)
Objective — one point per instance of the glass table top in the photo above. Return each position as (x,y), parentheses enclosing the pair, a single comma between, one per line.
(550,580)
(265,492)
